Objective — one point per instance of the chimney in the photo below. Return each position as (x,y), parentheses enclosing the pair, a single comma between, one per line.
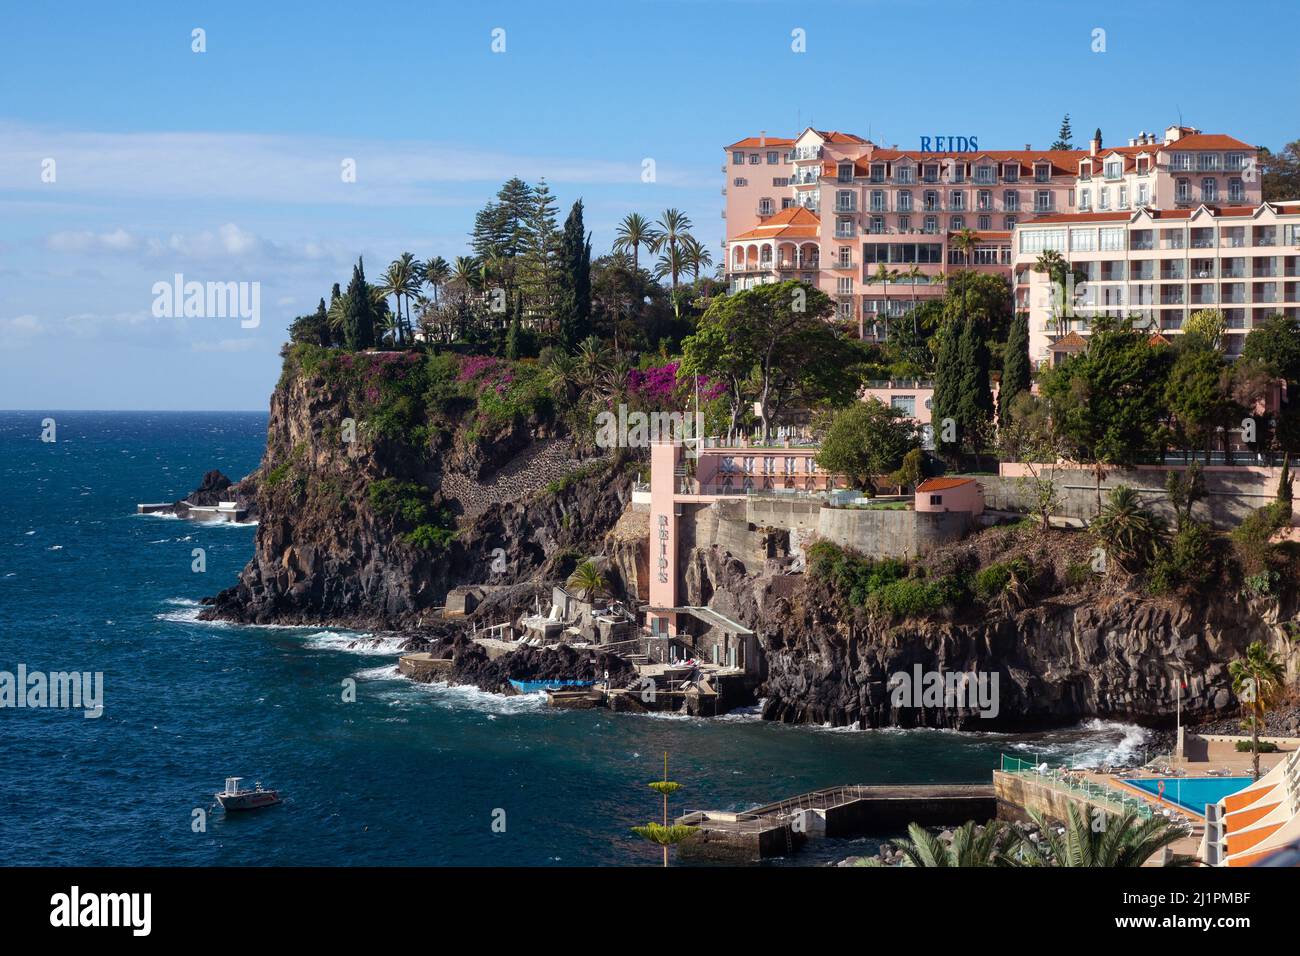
(1132,141)
(762,137)
(1028,147)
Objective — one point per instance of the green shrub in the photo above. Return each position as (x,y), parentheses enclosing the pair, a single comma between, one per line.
(1078,573)
(429,537)
(1265,747)
(1251,537)
(277,474)
(910,597)
(1187,560)
(992,580)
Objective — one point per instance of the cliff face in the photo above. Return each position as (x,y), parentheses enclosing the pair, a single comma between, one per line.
(329,549)
(1063,660)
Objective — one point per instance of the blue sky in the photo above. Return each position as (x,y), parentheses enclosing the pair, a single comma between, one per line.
(225,166)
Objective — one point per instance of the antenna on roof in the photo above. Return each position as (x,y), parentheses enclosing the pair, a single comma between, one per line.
(1180,114)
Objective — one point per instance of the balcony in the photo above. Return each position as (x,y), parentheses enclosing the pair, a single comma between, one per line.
(846,208)
(841,264)
(845,232)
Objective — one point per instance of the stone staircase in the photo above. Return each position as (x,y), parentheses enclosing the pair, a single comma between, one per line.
(542,463)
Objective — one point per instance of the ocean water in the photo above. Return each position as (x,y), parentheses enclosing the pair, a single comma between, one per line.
(407,774)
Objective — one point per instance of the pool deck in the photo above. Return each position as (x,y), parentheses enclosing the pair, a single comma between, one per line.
(1222,755)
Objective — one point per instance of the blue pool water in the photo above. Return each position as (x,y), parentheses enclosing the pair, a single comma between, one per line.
(1193,794)
(407,774)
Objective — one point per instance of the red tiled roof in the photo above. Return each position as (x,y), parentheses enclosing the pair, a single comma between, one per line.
(1081,217)
(756,142)
(794,222)
(1069,342)
(943,484)
(1207,141)
(835,136)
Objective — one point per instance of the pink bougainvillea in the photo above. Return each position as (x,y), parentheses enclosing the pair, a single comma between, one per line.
(665,385)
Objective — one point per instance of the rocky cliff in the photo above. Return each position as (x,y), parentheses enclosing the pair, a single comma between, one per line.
(356,523)
(1079,653)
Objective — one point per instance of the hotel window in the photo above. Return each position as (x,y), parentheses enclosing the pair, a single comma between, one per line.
(1209,161)
(1040,240)
(740,181)
(1043,200)
(905,174)
(1011,200)
(905,404)
(738,159)
(1291,235)
(932,173)
(984,223)
(1183,191)
(1114,169)
(1011,172)
(956,199)
(788,158)
(878,200)
(956,223)
(846,310)
(931,224)
(904,223)
(931,199)
(1083,240)
(1209,189)
(904,200)
(936,500)
(1103,198)
(877,172)
(786,202)
(1123,197)
(984,174)
(773,158)
(845,256)
(844,200)
(1144,194)
(877,224)
(1085,199)
(765,207)
(1112,239)
(1236,191)
(755,159)
(844,285)
(984,199)
(1143,164)
(956,172)
(1182,161)
(844,172)
(1008,223)
(780,180)
(1042,173)
(1235,161)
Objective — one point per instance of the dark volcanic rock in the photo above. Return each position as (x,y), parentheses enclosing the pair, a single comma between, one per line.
(471,664)
(211,490)
(1057,663)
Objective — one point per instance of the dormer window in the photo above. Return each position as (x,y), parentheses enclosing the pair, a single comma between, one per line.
(1114,168)
(1011,172)
(1042,172)
(984,174)
(905,174)
(877,172)
(845,172)
(1085,170)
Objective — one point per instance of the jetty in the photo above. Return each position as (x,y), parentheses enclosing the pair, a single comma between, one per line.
(782,828)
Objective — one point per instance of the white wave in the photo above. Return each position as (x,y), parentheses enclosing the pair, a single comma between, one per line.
(354,643)
(55,547)
(1127,751)
(158,514)
(382,672)
(468,697)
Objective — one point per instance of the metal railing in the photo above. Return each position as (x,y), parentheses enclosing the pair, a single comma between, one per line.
(1059,778)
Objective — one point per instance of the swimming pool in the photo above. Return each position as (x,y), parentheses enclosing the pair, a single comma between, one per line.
(1194,793)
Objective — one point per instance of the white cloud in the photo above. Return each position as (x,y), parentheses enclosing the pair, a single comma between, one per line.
(199,166)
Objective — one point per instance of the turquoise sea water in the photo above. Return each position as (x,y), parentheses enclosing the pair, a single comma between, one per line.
(407,774)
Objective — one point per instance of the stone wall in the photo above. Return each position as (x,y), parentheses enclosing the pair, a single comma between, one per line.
(1232,494)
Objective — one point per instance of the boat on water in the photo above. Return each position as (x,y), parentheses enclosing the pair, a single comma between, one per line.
(235,797)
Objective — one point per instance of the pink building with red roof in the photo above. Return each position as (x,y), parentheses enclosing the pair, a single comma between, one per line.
(833,209)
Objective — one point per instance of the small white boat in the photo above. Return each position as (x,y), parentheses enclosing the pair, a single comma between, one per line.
(235,797)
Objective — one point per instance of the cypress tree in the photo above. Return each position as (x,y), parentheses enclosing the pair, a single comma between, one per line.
(1016,370)
(947,383)
(975,400)
(574,305)
(359,323)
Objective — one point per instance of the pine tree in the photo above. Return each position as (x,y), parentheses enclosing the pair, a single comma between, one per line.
(359,324)
(515,201)
(538,274)
(1064,136)
(574,306)
(1016,370)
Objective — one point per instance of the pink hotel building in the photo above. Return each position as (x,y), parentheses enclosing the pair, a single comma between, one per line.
(1162,226)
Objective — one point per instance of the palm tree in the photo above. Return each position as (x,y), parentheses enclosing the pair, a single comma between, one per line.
(436,272)
(1130,533)
(388,326)
(1122,841)
(620,263)
(633,233)
(336,316)
(696,256)
(671,263)
(465,275)
(968,848)
(672,227)
(966,242)
(401,281)
(913,274)
(1257,681)
(588,581)
(884,275)
(591,364)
